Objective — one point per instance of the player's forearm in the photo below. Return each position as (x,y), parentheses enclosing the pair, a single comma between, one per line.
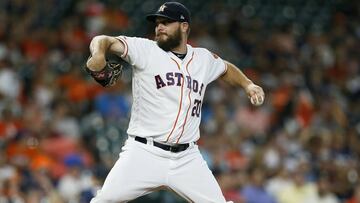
(234,76)
(98,47)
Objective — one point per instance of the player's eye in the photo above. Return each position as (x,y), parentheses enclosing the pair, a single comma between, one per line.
(164,22)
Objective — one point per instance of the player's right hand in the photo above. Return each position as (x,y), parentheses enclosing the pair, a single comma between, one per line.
(256,94)
(96,62)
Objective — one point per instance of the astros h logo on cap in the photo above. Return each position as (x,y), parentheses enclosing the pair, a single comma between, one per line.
(162,7)
(172,10)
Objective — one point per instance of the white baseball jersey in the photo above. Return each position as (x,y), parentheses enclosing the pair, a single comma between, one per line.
(168,92)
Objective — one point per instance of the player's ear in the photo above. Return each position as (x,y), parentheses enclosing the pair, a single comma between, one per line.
(185,27)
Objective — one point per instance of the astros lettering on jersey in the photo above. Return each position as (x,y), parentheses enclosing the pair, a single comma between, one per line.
(163,81)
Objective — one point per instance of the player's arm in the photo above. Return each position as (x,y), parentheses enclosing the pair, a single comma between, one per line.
(99,46)
(104,72)
(234,76)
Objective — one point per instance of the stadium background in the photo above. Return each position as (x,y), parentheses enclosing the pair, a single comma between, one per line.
(60,132)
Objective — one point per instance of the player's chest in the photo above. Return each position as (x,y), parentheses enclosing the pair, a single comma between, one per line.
(170,74)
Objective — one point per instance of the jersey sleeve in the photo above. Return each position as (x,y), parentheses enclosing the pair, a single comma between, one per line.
(216,67)
(136,50)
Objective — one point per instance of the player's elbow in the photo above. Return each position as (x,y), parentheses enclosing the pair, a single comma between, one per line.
(99,39)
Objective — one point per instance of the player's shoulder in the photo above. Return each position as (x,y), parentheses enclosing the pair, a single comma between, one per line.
(200,50)
(138,40)
(205,52)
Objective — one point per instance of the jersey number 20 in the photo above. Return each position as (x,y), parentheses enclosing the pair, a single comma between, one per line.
(197,108)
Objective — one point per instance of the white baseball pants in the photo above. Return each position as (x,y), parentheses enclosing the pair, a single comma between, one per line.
(144,168)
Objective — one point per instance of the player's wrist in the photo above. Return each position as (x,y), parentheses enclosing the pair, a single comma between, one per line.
(247,84)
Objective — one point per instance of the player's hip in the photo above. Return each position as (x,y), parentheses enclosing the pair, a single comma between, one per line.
(149,145)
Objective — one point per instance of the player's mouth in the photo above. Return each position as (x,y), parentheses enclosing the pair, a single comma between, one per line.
(161,34)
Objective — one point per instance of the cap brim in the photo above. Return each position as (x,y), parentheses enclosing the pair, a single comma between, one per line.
(152,17)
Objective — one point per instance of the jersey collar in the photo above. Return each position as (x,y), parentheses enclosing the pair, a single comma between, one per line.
(187,57)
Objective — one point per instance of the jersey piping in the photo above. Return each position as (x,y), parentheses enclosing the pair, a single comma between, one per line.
(180,105)
(126,47)
(226,68)
(187,112)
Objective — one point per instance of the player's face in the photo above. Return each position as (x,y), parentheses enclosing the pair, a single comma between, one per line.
(167,34)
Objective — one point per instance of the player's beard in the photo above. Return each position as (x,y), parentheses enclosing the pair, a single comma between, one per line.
(171,42)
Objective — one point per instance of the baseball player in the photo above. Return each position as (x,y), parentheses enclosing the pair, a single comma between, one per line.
(168,86)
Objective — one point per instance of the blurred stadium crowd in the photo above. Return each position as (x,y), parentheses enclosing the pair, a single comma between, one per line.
(60,132)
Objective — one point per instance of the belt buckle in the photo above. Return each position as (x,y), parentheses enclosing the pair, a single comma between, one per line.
(173,149)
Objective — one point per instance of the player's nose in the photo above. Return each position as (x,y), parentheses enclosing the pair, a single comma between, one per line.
(160,26)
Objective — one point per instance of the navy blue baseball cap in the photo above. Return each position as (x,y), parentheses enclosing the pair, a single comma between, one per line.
(172,10)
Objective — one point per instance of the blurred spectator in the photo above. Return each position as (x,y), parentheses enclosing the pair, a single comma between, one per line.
(277,184)
(356,196)
(75,181)
(42,189)
(9,81)
(254,191)
(324,194)
(229,183)
(63,122)
(301,191)
(113,106)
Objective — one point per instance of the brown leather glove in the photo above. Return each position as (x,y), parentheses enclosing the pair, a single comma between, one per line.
(108,75)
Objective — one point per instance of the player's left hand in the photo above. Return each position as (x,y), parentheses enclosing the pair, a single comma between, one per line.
(255,94)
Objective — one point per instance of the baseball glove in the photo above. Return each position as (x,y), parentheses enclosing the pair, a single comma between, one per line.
(108,75)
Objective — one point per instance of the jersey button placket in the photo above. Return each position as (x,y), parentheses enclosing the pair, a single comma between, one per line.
(186,95)
(174,131)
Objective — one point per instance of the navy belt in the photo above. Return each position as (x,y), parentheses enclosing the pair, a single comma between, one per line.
(171,148)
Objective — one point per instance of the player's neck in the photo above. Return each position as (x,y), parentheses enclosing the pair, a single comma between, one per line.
(181,49)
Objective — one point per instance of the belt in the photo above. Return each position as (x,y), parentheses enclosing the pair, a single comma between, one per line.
(171,148)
